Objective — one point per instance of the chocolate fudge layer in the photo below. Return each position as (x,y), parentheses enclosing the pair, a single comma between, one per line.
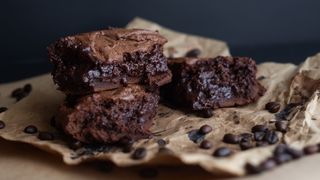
(210,83)
(108,59)
(108,116)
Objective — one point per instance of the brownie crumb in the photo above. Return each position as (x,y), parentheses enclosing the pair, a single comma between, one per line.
(45,136)
(2,124)
(3,109)
(273,107)
(139,153)
(31,129)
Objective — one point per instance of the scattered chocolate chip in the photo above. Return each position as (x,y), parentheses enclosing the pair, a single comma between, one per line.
(231,138)
(296,154)
(280,149)
(148,172)
(286,113)
(193,53)
(205,129)
(222,152)
(311,149)
(252,169)
(3,109)
(246,137)
(45,136)
(262,143)
(20,93)
(271,137)
(268,164)
(205,144)
(272,107)
(282,126)
(161,142)
(31,129)
(195,136)
(2,124)
(139,153)
(259,128)
(74,144)
(246,145)
(206,113)
(282,158)
(105,167)
(259,135)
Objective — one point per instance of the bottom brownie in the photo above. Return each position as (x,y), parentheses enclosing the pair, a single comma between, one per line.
(108,116)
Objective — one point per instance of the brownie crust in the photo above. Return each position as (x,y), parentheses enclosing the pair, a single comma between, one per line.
(211,83)
(108,59)
(109,116)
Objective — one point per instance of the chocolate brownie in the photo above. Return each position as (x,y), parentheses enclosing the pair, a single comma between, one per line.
(109,116)
(108,59)
(210,83)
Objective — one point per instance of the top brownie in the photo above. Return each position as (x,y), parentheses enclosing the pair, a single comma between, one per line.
(210,83)
(108,59)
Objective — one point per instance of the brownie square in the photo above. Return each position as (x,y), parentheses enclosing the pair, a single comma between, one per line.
(210,83)
(109,116)
(108,59)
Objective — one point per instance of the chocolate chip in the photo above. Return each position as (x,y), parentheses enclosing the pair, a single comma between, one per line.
(296,154)
(259,135)
(195,136)
(105,167)
(206,113)
(252,169)
(20,93)
(45,136)
(127,148)
(271,137)
(205,144)
(205,129)
(139,153)
(231,138)
(148,172)
(193,52)
(31,129)
(280,149)
(261,78)
(161,142)
(262,143)
(246,137)
(2,124)
(3,109)
(74,144)
(268,164)
(246,145)
(311,149)
(222,152)
(272,107)
(259,128)
(282,158)
(282,126)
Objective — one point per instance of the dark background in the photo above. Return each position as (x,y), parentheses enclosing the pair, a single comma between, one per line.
(277,30)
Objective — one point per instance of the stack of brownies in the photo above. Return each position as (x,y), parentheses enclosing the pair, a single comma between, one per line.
(111,79)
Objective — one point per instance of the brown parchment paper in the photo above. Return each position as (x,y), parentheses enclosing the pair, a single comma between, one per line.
(285,83)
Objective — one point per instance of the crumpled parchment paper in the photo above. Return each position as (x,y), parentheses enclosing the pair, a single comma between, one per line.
(285,83)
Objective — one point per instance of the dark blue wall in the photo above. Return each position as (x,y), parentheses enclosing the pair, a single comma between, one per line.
(281,30)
